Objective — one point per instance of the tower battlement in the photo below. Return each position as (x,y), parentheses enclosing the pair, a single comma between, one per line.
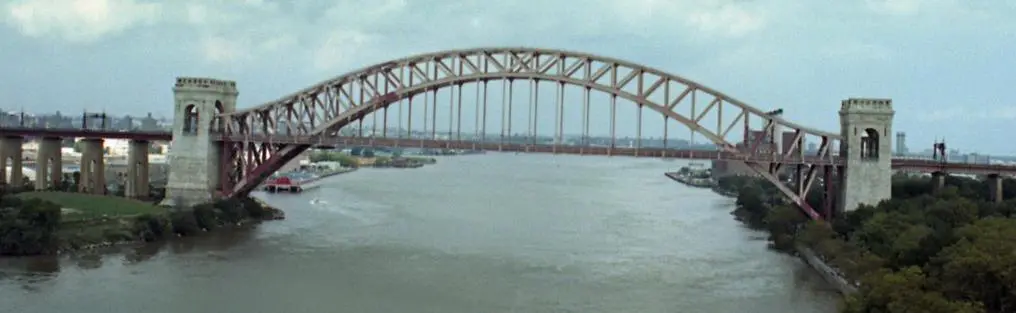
(206,84)
(867,105)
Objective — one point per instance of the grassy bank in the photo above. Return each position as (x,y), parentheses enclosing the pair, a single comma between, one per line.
(81,207)
(34,223)
(91,220)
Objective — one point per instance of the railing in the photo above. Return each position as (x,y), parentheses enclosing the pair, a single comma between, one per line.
(84,133)
(909,163)
(333,141)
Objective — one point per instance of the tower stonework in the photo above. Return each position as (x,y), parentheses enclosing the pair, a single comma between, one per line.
(867,125)
(194,157)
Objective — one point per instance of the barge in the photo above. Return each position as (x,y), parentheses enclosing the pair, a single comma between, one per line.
(298,181)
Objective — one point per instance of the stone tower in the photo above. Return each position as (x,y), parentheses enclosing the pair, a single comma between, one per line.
(867,148)
(194,157)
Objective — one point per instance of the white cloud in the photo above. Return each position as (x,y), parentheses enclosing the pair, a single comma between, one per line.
(857,51)
(223,50)
(728,20)
(341,49)
(964,113)
(79,20)
(895,7)
(690,17)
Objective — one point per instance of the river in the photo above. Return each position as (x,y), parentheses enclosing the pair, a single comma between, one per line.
(480,233)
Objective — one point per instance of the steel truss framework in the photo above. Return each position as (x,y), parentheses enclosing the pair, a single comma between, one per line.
(260,140)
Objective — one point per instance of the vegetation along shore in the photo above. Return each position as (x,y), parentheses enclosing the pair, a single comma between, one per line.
(52,222)
(950,251)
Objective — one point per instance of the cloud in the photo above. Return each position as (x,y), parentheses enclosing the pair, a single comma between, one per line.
(958,113)
(727,19)
(341,49)
(224,50)
(857,51)
(79,20)
(894,7)
(804,56)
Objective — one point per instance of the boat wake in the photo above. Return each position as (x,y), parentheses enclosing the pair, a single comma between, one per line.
(356,215)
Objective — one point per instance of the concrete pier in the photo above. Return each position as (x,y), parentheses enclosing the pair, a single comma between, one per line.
(93,178)
(937,182)
(995,188)
(49,164)
(136,184)
(11,156)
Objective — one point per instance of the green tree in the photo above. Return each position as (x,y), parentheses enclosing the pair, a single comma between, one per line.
(982,264)
(28,227)
(903,291)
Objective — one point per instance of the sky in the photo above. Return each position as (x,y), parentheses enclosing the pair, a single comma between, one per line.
(948,65)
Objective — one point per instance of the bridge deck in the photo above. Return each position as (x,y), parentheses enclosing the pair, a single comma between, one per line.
(926,166)
(84,133)
(527,148)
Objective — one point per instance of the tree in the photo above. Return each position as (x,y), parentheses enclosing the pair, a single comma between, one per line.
(982,264)
(921,251)
(76,177)
(903,292)
(27,227)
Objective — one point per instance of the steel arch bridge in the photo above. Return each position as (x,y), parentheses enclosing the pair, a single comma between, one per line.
(258,141)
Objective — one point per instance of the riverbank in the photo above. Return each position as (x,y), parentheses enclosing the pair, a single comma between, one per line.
(756,211)
(370,160)
(321,174)
(691,181)
(403,162)
(48,222)
(699,182)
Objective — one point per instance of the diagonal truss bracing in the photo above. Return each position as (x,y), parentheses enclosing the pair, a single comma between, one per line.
(322,110)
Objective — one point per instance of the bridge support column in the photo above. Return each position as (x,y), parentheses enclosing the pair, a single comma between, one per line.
(195,156)
(937,182)
(995,187)
(829,193)
(867,149)
(93,169)
(10,161)
(136,184)
(49,164)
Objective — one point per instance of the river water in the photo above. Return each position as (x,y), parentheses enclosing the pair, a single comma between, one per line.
(471,234)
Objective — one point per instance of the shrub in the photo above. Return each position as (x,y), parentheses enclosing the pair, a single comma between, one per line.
(184,223)
(253,208)
(150,227)
(117,235)
(231,210)
(206,216)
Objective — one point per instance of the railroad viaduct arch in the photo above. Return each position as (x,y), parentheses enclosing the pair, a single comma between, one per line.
(214,159)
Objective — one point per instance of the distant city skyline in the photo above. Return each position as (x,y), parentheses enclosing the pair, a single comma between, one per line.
(947,80)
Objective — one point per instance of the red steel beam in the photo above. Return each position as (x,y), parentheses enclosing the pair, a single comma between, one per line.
(900,164)
(84,133)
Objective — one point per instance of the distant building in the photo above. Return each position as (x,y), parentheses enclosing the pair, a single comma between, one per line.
(975,158)
(767,145)
(125,123)
(901,143)
(149,123)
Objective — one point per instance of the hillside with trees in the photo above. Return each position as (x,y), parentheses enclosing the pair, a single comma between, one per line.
(953,251)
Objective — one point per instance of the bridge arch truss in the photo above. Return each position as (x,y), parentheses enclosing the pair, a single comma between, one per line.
(398,98)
